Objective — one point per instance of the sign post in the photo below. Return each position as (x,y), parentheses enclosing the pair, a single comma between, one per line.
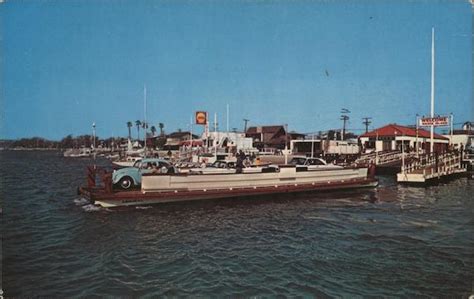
(201,119)
(438,121)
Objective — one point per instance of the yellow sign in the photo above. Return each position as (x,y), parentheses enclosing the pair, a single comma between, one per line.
(201,118)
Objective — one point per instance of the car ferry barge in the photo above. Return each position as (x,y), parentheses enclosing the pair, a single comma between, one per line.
(175,187)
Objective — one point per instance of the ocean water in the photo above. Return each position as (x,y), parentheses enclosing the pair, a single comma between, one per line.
(389,241)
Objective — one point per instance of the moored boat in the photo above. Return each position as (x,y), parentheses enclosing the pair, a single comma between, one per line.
(160,188)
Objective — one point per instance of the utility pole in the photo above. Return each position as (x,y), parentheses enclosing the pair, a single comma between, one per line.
(245,124)
(366,122)
(344,118)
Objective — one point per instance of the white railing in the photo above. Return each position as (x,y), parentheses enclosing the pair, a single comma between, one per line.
(440,164)
(381,158)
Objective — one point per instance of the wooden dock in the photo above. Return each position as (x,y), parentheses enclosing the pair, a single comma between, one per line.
(388,162)
(431,168)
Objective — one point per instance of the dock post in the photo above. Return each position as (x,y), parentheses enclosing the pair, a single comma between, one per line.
(107,179)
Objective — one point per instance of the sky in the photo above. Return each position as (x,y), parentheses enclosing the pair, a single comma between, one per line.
(68,64)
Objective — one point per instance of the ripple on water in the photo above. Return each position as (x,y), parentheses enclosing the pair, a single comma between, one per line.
(390,241)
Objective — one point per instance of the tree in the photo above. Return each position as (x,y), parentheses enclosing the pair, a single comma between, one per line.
(153,130)
(161,126)
(67,142)
(129,126)
(138,124)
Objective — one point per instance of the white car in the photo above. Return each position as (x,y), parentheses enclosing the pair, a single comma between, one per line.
(312,163)
(219,166)
(225,166)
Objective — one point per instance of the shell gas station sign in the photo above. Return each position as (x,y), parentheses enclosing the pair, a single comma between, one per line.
(438,121)
(201,118)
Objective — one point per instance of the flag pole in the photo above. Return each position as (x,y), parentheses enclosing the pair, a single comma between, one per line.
(432,88)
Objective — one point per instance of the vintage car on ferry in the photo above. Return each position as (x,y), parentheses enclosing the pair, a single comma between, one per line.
(130,177)
(230,166)
(219,166)
(312,163)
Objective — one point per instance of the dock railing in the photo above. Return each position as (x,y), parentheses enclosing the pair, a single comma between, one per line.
(434,164)
(381,158)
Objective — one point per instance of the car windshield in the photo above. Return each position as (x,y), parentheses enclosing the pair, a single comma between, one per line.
(314,162)
(137,164)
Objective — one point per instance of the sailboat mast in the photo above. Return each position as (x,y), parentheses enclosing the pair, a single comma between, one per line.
(145,124)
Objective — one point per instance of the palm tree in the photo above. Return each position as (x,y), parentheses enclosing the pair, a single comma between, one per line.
(153,130)
(129,126)
(138,124)
(161,126)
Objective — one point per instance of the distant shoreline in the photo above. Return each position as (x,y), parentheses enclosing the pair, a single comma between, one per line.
(29,149)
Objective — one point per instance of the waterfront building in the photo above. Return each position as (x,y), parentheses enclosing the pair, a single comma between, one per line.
(463,138)
(393,137)
(272,137)
(322,147)
(233,141)
(176,139)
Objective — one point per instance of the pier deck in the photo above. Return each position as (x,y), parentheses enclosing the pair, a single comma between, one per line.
(432,167)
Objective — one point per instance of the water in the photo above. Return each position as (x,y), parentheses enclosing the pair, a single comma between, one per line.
(389,241)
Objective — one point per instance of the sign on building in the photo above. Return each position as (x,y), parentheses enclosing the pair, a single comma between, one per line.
(434,121)
(201,117)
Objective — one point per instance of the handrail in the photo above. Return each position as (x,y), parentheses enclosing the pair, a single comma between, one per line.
(434,163)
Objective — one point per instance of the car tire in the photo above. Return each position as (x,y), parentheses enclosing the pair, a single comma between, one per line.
(126,183)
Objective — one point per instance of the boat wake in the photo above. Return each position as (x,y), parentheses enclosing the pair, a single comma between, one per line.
(143,207)
(81,201)
(91,208)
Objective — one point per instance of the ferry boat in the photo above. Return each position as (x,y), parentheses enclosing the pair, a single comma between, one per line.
(173,187)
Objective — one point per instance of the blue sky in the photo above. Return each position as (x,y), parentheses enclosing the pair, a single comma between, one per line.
(66,64)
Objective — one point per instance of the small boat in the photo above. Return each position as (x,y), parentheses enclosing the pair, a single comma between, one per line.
(174,187)
(78,153)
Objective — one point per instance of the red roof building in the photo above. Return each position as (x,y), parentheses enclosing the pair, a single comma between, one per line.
(393,137)
(397,130)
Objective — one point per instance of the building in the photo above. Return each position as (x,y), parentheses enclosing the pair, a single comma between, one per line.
(274,137)
(463,138)
(322,147)
(392,137)
(176,139)
(232,140)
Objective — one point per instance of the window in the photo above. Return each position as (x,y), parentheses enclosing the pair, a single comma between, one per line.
(314,162)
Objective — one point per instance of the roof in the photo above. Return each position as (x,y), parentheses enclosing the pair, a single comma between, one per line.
(181,134)
(392,130)
(264,129)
